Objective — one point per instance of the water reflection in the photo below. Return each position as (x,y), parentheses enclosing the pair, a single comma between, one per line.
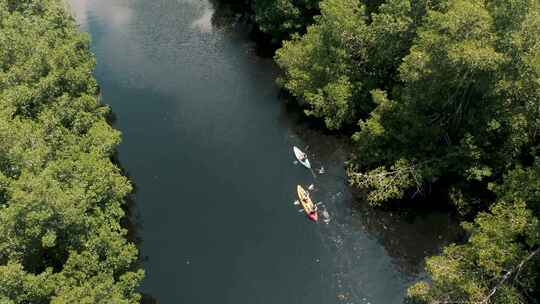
(117,14)
(204,22)
(80,10)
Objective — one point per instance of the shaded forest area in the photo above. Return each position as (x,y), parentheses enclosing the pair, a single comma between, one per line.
(437,94)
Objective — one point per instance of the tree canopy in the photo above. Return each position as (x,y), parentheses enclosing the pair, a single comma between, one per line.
(61,197)
(500,263)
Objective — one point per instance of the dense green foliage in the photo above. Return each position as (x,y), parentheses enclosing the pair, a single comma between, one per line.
(468,97)
(61,197)
(501,261)
(282,18)
(276,19)
(443,92)
(345,55)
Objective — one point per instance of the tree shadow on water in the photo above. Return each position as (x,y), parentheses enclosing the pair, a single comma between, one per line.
(148,299)
(239,16)
(409,235)
(133,223)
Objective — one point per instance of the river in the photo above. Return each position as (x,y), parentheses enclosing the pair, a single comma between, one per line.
(207,141)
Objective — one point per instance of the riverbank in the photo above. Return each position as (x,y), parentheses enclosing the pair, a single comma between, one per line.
(62,199)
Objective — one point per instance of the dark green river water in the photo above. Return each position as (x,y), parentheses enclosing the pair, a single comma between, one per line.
(208,144)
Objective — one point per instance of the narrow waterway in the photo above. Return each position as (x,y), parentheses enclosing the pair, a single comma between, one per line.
(208,144)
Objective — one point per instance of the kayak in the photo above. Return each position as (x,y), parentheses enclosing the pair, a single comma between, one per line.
(306,202)
(298,153)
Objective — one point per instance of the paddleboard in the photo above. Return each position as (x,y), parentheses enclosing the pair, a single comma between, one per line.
(298,153)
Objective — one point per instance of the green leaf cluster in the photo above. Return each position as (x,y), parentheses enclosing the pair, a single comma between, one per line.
(347,53)
(61,197)
(282,18)
(467,108)
(500,262)
(276,20)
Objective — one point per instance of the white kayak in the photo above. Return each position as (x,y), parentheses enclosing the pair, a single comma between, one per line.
(302,157)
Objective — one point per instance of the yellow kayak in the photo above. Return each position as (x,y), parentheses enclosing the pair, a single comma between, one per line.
(309,207)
